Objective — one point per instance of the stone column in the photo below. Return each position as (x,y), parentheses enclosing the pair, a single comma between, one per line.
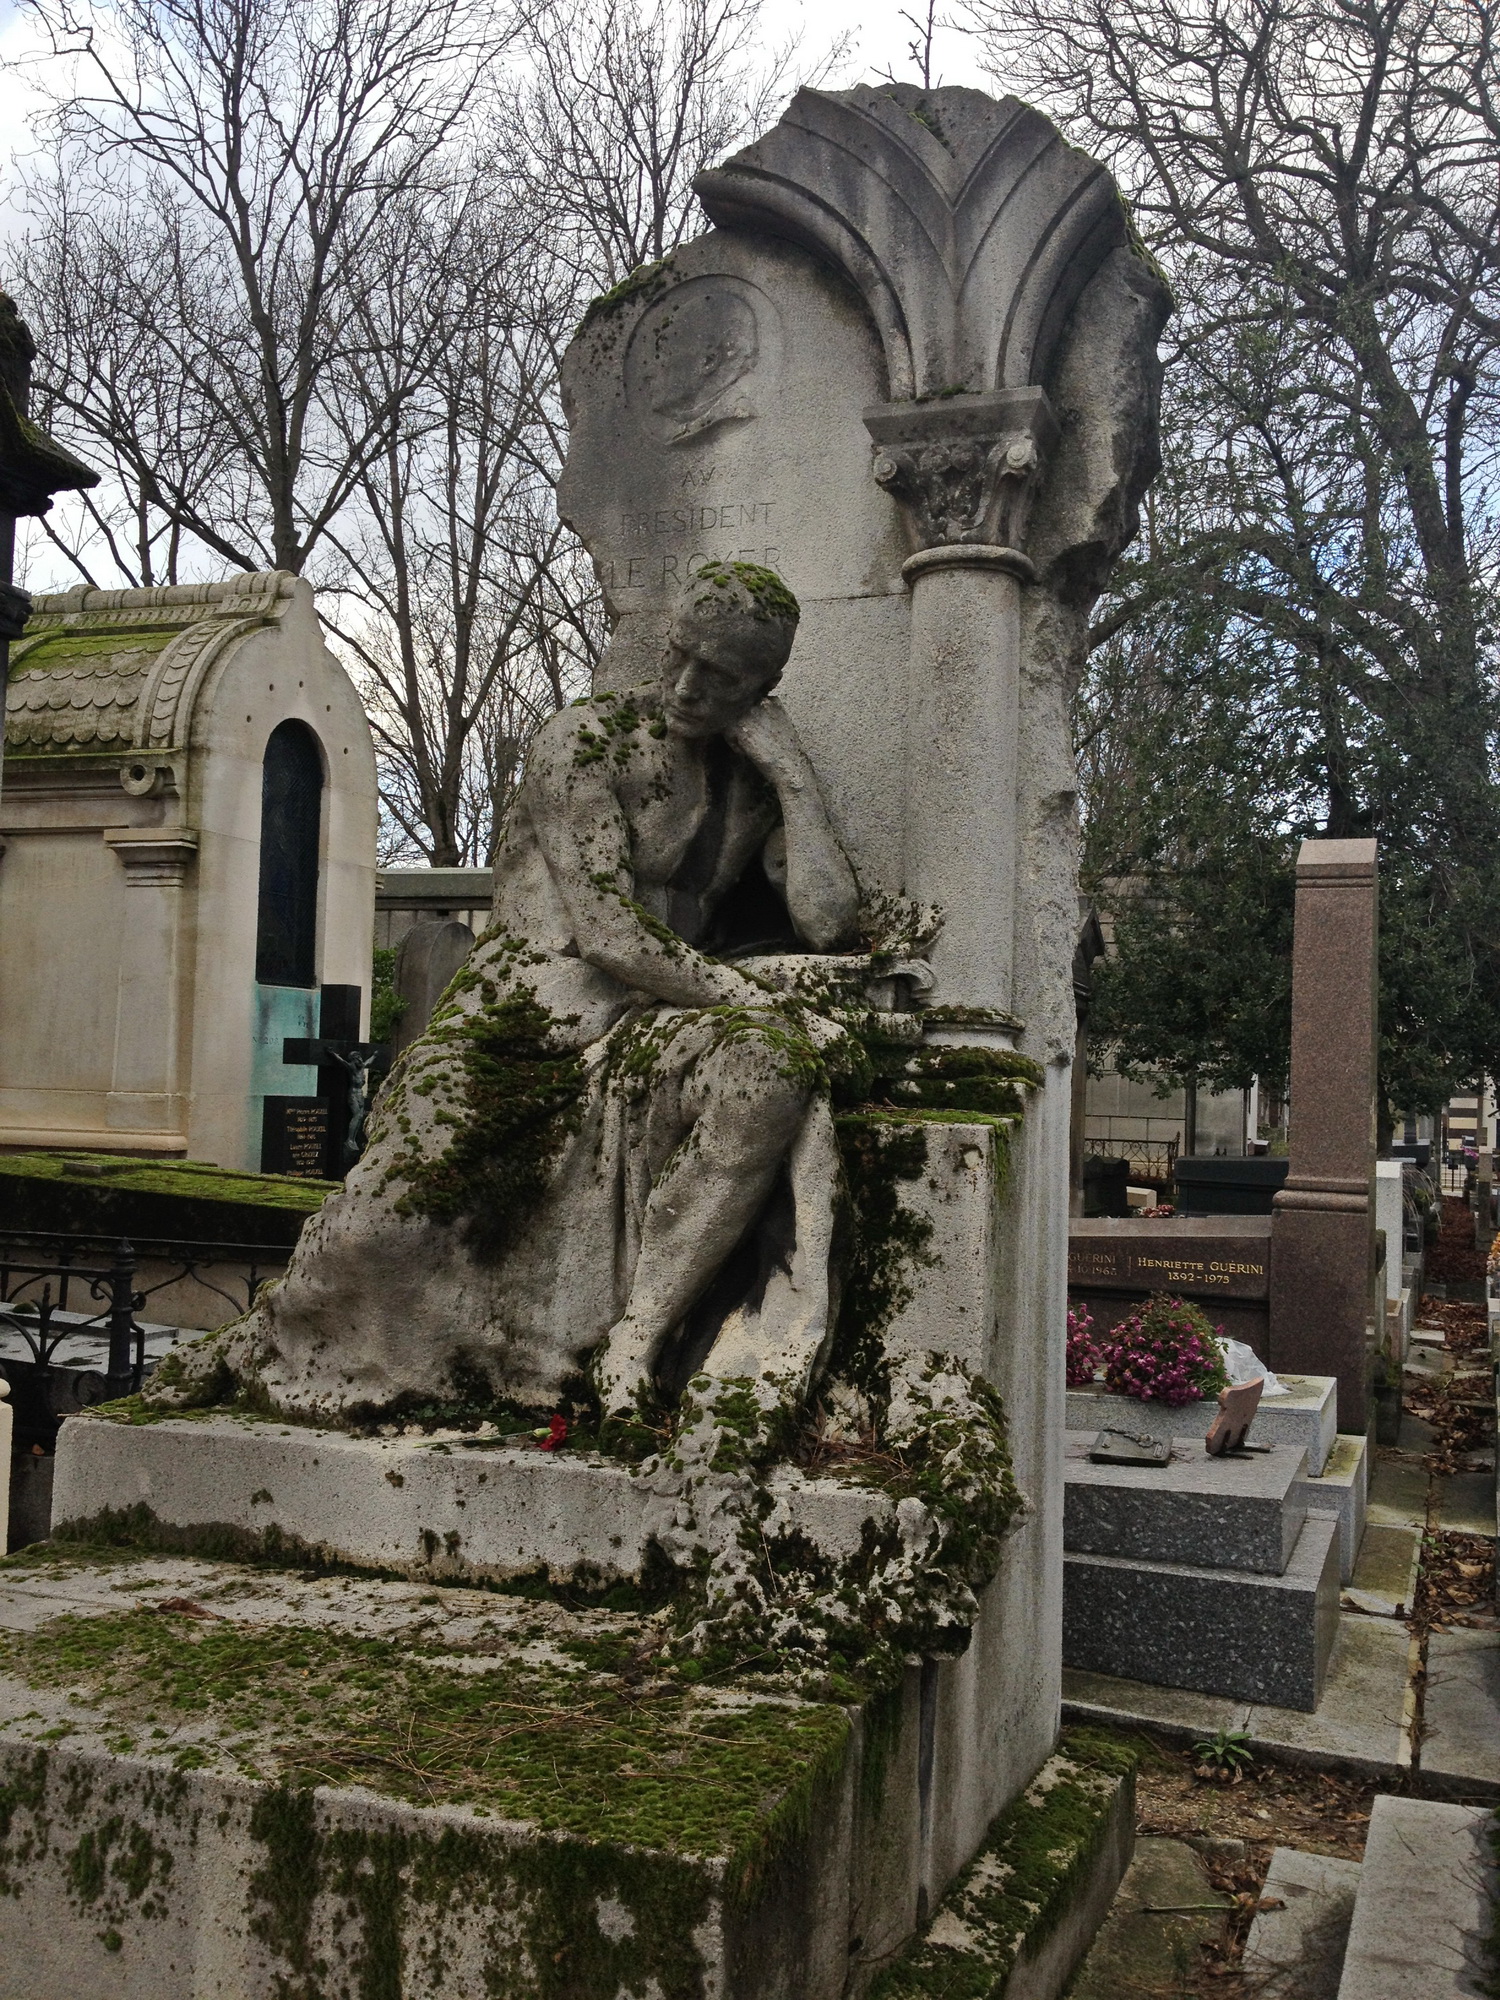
(145,1093)
(1322,1232)
(964,469)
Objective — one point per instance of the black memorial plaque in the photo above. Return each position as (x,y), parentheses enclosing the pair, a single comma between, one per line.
(294,1137)
(1198,1266)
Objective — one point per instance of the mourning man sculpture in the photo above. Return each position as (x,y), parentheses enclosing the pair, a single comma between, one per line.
(612,1149)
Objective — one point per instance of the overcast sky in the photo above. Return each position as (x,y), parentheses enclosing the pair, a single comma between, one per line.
(878,42)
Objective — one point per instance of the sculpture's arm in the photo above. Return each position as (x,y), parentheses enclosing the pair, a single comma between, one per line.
(821,892)
(585,842)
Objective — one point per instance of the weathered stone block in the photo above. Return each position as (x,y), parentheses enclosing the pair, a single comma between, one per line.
(220,1781)
(449,1505)
(1297,1940)
(1016,1923)
(1424,1913)
(1343,1489)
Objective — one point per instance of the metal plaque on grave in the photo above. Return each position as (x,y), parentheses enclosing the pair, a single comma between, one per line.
(294,1137)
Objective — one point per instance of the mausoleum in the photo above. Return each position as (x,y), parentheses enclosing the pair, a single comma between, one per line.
(188,836)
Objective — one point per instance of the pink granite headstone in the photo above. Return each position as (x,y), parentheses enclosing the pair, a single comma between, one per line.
(1323,1220)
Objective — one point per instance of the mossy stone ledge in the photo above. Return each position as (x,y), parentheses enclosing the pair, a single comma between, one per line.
(1021,1914)
(366,1789)
(108,1194)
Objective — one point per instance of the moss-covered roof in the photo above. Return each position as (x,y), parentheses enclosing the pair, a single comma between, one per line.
(116,669)
(105,1193)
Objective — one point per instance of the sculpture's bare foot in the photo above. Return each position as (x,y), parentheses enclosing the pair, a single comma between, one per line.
(621,1369)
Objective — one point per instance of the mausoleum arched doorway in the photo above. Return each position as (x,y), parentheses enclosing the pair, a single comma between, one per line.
(286,934)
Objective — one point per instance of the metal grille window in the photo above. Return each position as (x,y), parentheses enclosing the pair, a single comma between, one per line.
(290,814)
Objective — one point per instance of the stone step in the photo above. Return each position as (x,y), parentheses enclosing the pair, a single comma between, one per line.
(1218,1513)
(1219,1631)
(1425,1909)
(1296,1950)
(1384,1582)
(1307,1416)
(475,1508)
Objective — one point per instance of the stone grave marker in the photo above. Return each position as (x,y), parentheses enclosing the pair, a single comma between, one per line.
(1323,1219)
(786,908)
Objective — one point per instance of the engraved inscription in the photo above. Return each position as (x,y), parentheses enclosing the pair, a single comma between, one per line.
(669,572)
(1159,1267)
(733,514)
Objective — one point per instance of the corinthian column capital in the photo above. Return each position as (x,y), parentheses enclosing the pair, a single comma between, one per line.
(964,468)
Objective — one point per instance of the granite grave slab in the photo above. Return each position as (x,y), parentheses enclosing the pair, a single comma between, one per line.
(1306,1416)
(1220,1513)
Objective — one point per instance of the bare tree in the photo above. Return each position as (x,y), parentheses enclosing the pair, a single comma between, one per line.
(1319,179)
(921,48)
(199,245)
(461,589)
(626,102)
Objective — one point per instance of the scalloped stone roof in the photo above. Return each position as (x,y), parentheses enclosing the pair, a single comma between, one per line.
(118,669)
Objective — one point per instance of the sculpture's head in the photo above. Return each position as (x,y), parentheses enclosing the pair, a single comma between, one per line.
(729,643)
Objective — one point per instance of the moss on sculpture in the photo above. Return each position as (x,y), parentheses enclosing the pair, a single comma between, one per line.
(507,1092)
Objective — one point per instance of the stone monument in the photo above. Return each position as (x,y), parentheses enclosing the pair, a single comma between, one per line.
(188,831)
(732,1169)
(1322,1274)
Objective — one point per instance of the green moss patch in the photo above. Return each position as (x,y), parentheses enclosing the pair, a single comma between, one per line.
(645,282)
(1035,1861)
(503,1090)
(888,1242)
(105,1194)
(64,649)
(619,1756)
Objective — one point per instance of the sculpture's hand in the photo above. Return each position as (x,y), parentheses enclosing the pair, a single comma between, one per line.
(820,889)
(765,734)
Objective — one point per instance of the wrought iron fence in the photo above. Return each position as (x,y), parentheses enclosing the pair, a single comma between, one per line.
(61,1291)
(64,1255)
(1153,1162)
(112,1286)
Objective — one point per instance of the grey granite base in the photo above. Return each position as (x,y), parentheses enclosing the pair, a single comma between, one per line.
(1360,1724)
(1224,1632)
(1308,1416)
(1343,1490)
(1220,1513)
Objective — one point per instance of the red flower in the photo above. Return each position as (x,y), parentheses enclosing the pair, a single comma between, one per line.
(557,1434)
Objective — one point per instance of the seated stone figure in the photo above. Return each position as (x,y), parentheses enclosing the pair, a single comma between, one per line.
(612,1150)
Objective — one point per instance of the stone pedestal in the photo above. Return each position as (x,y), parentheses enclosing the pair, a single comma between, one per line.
(1322,1236)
